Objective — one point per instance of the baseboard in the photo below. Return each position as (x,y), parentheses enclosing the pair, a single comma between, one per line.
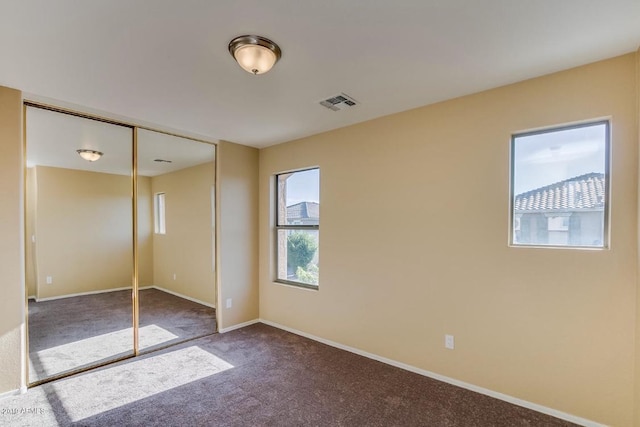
(15,392)
(510,399)
(102,291)
(240,325)
(207,304)
(123,289)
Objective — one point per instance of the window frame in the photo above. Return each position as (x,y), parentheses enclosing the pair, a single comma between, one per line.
(160,213)
(606,244)
(278,227)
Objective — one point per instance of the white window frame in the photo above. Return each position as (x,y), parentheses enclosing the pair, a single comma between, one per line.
(278,227)
(607,196)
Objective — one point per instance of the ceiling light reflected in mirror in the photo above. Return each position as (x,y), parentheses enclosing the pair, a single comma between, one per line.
(89,155)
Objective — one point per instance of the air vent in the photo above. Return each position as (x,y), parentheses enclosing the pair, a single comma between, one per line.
(162,161)
(339,102)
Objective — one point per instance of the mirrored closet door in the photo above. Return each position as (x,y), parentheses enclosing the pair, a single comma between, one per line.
(176,239)
(79,242)
(95,293)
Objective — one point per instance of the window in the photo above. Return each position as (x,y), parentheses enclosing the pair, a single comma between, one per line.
(560,187)
(297,227)
(158,214)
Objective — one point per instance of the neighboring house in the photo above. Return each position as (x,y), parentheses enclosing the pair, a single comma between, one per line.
(568,212)
(303,213)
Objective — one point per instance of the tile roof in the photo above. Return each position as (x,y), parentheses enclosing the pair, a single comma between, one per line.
(580,192)
(303,210)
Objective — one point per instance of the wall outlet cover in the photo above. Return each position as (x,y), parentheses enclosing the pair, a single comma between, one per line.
(449,342)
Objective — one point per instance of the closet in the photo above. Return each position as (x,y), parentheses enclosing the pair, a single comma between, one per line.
(119,240)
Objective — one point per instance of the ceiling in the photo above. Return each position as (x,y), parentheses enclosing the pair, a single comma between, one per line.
(165,63)
(53,138)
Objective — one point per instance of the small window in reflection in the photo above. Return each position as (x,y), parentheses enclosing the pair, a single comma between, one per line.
(159,216)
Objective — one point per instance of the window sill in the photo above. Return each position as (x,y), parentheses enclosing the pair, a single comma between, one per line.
(579,248)
(297,284)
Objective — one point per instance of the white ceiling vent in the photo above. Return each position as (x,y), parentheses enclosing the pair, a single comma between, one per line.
(339,102)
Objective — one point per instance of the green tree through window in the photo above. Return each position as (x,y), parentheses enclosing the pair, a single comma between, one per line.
(298,227)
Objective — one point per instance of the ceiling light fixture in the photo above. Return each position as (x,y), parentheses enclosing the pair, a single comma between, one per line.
(89,155)
(255,54)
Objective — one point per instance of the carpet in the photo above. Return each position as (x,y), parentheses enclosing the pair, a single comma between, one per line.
(258,376)
(77,332)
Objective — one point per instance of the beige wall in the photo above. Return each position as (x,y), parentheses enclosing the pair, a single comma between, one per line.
(637,399)
(238,233)
(145,232)
(11,244)
(414,232)
(84,231)
(30,227)
(186,249)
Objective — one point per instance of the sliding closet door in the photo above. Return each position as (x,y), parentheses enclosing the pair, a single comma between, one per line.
(176,236)
(79,241)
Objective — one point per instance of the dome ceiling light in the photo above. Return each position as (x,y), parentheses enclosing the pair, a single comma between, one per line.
(89,155)
(255,54)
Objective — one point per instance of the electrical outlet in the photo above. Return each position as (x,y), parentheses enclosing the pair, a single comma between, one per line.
(49,280)
(229,302)
(449,342)
(175,276)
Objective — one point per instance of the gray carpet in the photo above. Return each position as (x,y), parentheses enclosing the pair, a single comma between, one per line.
(257,376)
(77,332)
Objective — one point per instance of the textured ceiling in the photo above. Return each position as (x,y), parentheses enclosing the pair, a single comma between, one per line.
(165,62)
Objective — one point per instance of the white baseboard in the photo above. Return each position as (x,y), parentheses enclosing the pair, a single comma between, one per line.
(239,325)
(514,400)
(102,291)
(179,295)
(123,289)
(15,392)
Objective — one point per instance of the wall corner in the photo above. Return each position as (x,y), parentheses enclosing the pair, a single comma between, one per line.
(12,282)
(237,225)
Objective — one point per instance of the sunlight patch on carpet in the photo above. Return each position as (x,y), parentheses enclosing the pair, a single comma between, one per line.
(132,381)
(88,351)
(80,353)
(151,335)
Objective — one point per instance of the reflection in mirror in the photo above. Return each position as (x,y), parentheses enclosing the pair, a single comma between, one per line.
(79,255)
(176,236)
